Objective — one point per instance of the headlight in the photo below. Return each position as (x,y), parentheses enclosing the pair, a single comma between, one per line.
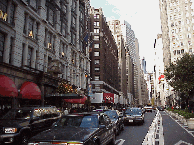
(75,144)
(32,143)
(139,117)
(10,130)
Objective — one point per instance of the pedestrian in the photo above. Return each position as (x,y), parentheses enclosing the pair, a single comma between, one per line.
(66,111)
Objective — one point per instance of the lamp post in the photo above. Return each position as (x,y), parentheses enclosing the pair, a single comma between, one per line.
(88,97)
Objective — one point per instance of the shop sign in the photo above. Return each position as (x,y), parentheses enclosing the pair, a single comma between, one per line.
(3,16)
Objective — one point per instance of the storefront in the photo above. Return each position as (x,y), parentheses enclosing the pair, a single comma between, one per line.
(8,92)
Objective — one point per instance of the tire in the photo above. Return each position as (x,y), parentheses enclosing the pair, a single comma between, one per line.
(24,139)
(113,140)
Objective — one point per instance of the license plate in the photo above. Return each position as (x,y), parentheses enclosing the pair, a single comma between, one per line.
(130,120)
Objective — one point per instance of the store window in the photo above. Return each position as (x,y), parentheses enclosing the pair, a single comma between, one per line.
(2,43)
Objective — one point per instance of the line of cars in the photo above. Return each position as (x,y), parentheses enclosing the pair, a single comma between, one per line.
(45,126)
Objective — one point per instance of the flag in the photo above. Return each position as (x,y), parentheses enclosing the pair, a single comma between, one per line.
(86,38)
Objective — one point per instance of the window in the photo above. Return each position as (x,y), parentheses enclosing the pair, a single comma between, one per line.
(96,61)
(63,26)
(174,52)
(50,12)
(3,9)
(96,30)
(96,16)
(73,38)
(29,57)
(96,37)
(96,53)
(178,52)
(23,48)
(96,23)
(182,50)
(190,49)
(96,45)
(34,3)
(96,78)
(2,43)
(97,69)
(97,86)
(10,51)
(12,12)
(73,21)
(63,50)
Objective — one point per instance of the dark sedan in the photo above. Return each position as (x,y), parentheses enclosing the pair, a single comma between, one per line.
(133,115)
(80,129)
(117,119)
(160,108)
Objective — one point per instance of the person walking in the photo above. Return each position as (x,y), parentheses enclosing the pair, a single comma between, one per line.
(66,111)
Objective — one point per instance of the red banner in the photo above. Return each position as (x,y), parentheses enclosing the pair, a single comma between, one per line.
(108,97)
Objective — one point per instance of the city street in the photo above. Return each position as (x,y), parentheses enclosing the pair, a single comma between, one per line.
(135,134)
(175,133)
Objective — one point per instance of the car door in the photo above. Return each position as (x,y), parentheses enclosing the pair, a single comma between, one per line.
(107,130)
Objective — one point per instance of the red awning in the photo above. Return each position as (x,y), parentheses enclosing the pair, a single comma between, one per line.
(30,90)
(7,87)
(77,101)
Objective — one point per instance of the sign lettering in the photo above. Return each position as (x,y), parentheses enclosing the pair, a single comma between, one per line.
(4,17)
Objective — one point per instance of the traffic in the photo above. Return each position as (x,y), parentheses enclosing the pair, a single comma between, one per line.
(48,125)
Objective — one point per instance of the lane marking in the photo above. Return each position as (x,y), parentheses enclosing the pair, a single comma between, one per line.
(119,141)
(180,142)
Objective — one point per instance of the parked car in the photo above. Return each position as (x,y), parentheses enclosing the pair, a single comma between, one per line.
(88,128)
(19,124)
(117,119)
(148,108)
(133,115)
(160,108)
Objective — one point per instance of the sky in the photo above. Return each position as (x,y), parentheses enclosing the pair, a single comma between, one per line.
(144,18)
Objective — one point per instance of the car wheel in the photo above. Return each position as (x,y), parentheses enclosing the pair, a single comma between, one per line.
(113,140)
(24,139)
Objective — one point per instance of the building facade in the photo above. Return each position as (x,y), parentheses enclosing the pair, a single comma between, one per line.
(115,26)
(42,42)
(103,55)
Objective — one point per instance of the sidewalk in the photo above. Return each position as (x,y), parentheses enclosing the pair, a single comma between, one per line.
(175,133)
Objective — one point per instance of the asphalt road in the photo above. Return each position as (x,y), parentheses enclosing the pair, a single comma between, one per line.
(135,134)
(174,134)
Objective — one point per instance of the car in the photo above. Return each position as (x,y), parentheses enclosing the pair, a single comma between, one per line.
(148,108)
(133,116)
(19,124)
(117,119)
(160,108)
(87,128)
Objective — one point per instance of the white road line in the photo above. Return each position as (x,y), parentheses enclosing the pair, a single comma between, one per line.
(119,141)
(182,126)
(180,142)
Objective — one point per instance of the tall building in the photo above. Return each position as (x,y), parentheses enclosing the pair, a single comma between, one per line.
(42,43)
(177,25)
(116,26)
(103,55)
(143,65)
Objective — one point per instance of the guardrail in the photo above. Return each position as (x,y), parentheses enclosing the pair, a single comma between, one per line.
(155,132)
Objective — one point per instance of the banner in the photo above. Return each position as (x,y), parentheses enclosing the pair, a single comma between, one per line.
(108,97)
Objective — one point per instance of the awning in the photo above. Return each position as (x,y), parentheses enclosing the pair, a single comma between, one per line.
(30,90)
(7,87)
(77,101)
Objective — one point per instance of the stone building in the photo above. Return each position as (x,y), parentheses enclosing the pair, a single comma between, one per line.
(42,42)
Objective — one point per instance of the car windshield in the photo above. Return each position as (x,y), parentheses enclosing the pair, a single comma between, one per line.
(111,114)
(133,111)
(80,121)
(17,114)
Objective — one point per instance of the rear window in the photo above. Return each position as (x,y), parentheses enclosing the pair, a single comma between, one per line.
(17,114)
